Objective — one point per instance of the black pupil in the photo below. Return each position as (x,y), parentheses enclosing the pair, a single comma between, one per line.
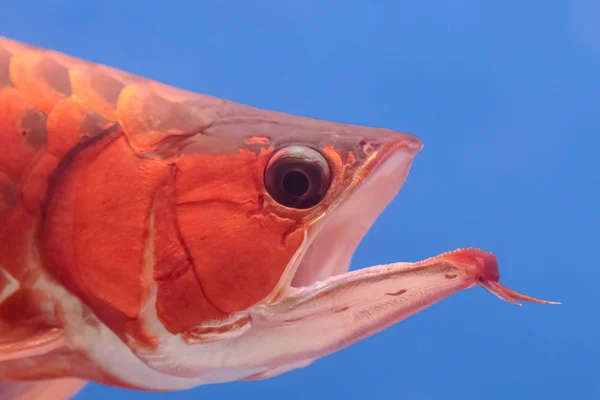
(297,180)
(295,183)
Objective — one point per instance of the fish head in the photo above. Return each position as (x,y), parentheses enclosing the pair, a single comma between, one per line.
(266,200)
(265,204)
(210,212)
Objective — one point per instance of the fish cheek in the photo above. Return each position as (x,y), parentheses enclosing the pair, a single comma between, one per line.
(239,247)
(238,257)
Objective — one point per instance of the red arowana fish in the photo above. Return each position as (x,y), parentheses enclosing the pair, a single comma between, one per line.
(157,239)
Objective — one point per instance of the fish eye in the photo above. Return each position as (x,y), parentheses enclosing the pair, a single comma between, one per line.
(297,177)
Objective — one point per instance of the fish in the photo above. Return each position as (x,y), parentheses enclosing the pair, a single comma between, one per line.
(157,239)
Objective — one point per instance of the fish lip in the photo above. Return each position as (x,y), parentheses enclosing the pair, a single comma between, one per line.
(334,241)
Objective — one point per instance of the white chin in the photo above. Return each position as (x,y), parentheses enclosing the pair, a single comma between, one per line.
(332,248)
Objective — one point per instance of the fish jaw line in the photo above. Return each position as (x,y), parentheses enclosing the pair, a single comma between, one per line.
(315,321)
(334,238)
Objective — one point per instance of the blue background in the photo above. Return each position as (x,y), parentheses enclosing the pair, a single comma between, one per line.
(505,96)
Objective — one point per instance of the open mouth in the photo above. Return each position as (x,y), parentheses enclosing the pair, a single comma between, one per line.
(332,248)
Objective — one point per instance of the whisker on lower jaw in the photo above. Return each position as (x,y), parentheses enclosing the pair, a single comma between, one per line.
(510,295)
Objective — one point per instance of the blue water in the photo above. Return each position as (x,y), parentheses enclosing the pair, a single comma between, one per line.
(505,96)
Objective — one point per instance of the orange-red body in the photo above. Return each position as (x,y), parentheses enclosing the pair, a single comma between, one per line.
(119,197)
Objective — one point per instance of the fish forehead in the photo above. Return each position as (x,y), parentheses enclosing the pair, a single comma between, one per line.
(154,110)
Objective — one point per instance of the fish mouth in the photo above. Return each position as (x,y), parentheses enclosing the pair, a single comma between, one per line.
(333,244)
(330,250)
